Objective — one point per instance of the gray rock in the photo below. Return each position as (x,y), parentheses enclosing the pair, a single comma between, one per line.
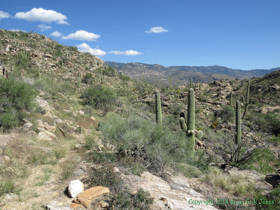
(55,207)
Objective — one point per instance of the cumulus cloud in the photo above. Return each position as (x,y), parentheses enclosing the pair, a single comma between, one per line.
(43,15)
(157,29)
(4,15)
(18,30)
(82,35)
(43,27)
(56,34)
(127,52)
(86,48)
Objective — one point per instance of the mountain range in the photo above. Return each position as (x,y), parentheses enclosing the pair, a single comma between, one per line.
(182,74)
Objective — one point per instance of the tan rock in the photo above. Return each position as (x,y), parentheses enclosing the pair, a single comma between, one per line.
(91,194)
(76,206)
(46,135)
(49,127)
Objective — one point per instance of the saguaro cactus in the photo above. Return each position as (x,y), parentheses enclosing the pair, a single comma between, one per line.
(231,98)
(79,79)
(158,108)
(189,128)
(247,101)
(238,123)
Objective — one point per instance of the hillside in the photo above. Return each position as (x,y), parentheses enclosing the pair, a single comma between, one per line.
(66,115)
(182,74)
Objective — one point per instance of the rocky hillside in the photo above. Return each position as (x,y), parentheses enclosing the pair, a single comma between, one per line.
(182,74)
(76,134)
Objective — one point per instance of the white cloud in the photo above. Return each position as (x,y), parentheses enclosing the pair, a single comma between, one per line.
(82,35)
(43,15)
(18,30)
(127,52)
(56,34)
(44,27)
(4,15)
(157,29)
(86,48)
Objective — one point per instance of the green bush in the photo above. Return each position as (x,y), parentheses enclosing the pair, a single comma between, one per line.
(146,142)
(124,78)
(274,121)
(14,97)
(88,79)
(226,114)
(98,97)
(126,200)
(271,201)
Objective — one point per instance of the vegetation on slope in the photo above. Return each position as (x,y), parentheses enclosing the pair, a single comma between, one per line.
(126,112)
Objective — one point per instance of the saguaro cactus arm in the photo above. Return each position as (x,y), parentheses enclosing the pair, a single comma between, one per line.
(183,124)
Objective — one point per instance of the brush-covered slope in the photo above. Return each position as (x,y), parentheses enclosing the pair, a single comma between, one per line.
(96,125)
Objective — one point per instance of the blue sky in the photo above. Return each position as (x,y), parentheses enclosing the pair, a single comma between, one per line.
(239,34)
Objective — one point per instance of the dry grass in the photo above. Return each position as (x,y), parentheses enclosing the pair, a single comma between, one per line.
(239,186)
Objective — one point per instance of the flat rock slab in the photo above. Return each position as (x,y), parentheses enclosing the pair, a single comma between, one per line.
(90,195)
(180,196)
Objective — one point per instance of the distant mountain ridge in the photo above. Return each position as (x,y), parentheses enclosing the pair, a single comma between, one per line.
(183,74)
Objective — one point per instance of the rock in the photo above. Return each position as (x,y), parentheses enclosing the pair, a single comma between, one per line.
(27,126)
(116,170)
(275,87)
(63,96)
(48,56)
(49,127)
(56,207)
(75,188)
(58,121)
(81,112)
(178,195)
(46,135)
(76,206)
(103,204)
(91,194)
(45,105)
(274,180)
(8,48)
(4,160)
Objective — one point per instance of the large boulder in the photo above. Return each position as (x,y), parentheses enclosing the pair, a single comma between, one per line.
(94,194)
(75,188)
(274,180)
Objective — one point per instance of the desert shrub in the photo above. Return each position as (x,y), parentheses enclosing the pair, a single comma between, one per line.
(275,140)
(263,161)
(141,200)
(270,201)
(274,121)
(204,96)
(226,114)
(124,78)
(106,177)
(109,71)
(98,97)
(88,78)
(233,154)
(145,142)
(7,187)
(14,97)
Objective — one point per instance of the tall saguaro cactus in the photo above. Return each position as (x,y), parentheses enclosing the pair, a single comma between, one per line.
(158,108)
(231,98)
(247,101)
(79,80)
(189,128)
(238,123)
